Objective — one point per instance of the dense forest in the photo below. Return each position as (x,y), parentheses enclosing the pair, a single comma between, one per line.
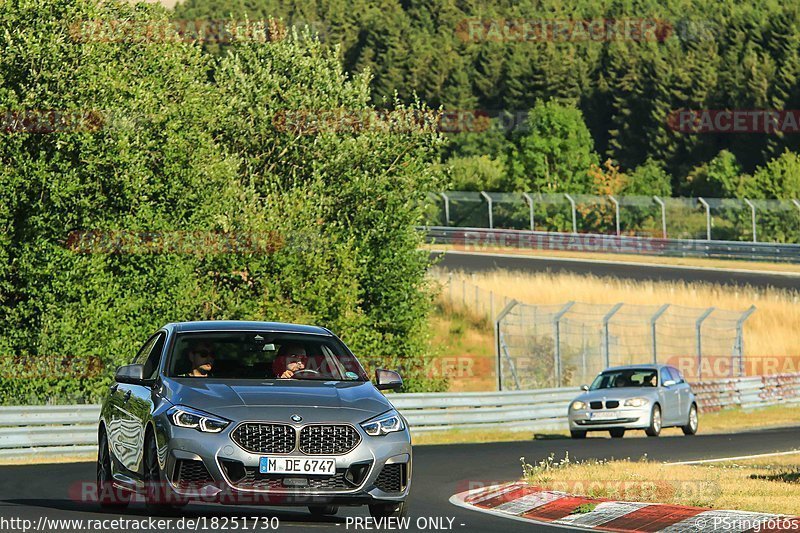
(602,106)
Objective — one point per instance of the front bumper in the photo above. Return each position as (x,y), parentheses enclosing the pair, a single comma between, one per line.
(370,473)
(625,417)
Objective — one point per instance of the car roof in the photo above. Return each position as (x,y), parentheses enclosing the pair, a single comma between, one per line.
(245,325)
(653,366)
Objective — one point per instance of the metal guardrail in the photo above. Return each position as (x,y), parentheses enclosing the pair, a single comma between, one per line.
(59,431)
(478,239)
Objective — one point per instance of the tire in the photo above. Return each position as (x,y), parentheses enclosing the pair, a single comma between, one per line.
(158,496)
(694,421)
(319,511)
(387,510)
(656,422)
(577,434)
(617,433)
(108,496)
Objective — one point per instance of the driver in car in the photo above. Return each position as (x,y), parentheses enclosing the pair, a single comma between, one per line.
(201,358)
(291,358)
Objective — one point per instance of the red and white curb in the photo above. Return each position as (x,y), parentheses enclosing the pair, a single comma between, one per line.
(520,501)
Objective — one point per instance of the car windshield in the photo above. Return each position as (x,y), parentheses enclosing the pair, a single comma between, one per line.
(630,377)
(262,355)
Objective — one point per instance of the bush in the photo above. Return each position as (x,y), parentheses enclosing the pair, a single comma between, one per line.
(180,153)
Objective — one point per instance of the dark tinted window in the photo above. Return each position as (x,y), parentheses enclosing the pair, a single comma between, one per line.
(264,355)
(154,357)
(629,377)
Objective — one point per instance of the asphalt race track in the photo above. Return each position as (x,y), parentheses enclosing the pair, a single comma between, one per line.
(478,262)
(31,491)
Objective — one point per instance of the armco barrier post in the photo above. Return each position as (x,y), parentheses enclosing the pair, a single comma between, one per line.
(653,320)
(699,340)
(606,319)
(507,309)
(557,339)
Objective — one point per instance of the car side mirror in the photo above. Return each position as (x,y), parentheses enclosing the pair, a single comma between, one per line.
(585,388)
(669,383)
(387,379)
(133,374)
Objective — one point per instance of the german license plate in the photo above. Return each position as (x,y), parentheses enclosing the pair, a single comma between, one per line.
(317,466)
(604,415)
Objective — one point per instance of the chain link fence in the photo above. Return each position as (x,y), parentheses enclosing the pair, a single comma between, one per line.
(721,219)
(544,346)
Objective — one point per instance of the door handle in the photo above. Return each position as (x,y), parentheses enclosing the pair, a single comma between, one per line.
(127,397)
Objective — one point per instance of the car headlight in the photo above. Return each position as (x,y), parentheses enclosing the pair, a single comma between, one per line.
(635,402)
(186,417)
(384,424)
(578,405)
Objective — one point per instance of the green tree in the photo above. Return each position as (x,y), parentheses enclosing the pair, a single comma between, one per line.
(553,151)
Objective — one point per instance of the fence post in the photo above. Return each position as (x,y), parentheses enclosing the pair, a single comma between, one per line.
(489,203)
(606,319)
(557,338)
(616,211)
(738,346)
(446,208)
(497,341)
(699,340)
(708,217)
(529,199)
(653,320)
(574,214)
(661,203)
(752,217)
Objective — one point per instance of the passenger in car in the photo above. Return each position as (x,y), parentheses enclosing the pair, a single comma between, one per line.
(291,358)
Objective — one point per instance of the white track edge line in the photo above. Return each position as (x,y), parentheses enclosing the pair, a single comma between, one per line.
(625,263)
(737,458)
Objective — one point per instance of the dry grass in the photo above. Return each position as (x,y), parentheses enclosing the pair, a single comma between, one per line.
(769,484)
(770,331)
(39,459)
(464,349)
(719,264)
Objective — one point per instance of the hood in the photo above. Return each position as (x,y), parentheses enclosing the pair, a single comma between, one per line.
(621,393)
(259,399)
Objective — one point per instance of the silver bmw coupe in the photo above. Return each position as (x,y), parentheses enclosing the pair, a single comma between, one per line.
(252,413)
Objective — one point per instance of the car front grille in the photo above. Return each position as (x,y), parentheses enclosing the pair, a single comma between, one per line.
(191,474)
(612,404)
(596,405)
(328,439)
(392,478)
(265,438)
